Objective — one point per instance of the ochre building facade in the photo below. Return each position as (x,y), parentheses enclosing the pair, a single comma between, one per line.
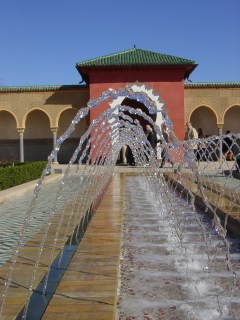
(33,117)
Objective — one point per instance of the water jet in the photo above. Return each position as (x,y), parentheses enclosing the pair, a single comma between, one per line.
(178,262)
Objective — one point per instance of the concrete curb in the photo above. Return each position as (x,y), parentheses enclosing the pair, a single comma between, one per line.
(15,192)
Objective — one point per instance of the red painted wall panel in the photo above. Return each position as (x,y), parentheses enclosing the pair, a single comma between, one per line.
(167,82)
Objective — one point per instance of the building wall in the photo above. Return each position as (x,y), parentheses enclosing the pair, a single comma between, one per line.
(216,108)
(40,114)
(167,82)
(52,103)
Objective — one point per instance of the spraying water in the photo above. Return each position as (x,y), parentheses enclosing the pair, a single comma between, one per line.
(87,176)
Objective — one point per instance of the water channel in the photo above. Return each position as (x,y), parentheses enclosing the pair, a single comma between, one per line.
(164,278)
(13,213)
(161,277)
(176,264)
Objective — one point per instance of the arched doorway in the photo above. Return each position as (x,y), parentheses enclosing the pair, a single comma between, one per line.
(9,138)
(204,117)
(232,120)
(138,105)
(66,151)
(126,151)
(38,142)
(232,124)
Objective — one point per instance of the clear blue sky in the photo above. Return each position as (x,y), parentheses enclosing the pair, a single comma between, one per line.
(42,40)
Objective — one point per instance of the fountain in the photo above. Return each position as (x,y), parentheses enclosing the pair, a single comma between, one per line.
(190,252)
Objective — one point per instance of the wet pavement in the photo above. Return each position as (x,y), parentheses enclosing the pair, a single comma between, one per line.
(160,279)
(164,278)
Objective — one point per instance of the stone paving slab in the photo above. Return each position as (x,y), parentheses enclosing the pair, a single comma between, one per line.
(89,286)
(88,289)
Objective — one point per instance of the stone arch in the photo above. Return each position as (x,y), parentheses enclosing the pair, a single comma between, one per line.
(64,121)
(139,105)
(206,118)
(37,125)
(9,136)
(231,119)
(144,89)
(60,114)
(8,127)
(38,140)
(134,104)
(36,109)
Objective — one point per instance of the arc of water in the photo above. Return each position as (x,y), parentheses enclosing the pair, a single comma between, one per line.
(23,230)
(89,199)
(112,144)
(221,229)
(190,194)
(28,214)
(112,136)
(96,122)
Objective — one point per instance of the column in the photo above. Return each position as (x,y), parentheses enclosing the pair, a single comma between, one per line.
(21,144)
(54,131)
(220,126)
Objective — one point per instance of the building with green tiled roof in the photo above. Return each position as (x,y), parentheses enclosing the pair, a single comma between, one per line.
(33,117)
(135,58)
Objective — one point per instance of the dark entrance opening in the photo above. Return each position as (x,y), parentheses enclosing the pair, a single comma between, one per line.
(135,105)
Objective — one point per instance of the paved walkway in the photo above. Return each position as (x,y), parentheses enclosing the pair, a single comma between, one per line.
(89,286)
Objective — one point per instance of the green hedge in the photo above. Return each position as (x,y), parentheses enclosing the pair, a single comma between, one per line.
(20,173)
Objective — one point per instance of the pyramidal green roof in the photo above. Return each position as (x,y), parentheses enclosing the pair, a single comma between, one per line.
(136,57)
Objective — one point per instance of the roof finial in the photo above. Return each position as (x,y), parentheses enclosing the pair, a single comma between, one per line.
(134,46)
